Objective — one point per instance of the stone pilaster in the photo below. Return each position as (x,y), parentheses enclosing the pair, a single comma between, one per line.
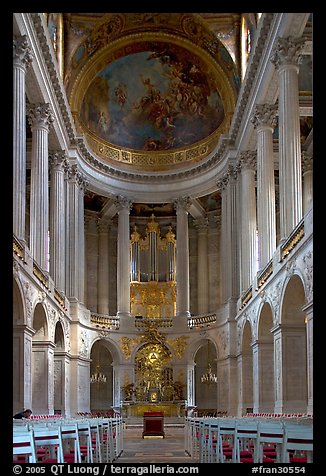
(307,170)
(92,260)
(103,266)
(285,57)
(40,118)
(22,58)
(264,121)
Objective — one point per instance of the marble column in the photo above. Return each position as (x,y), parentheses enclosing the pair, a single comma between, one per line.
(285,57)
(307,169)
(190,385)
(229,240)
(103,266)
(248,241)
(264,121)
(123,260)
(82,185)
(183,297)
(201,225)
(221,186)
(40,118)
(278,369)
(21,61)
(72,251)
(58,162)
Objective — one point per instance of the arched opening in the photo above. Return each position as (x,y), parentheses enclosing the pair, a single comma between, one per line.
(101,391)
(266,361)
(247,370)
(294,348)
(59,370)
(41,358)
(206,393)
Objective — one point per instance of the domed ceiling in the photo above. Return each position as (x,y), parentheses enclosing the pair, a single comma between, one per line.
(152,91)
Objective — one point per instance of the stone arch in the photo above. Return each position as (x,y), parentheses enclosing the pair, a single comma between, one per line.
(265,360)
(293,346)
(19,314)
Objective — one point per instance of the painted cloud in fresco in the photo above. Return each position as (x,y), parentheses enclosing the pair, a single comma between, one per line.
(159,96)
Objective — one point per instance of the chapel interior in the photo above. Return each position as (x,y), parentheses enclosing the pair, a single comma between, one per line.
(162,214)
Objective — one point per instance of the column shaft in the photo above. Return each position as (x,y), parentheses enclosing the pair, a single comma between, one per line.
(57,220)
(40,118)
(123,266)
(183,297)
(285,57)
(248,219)
(22,59)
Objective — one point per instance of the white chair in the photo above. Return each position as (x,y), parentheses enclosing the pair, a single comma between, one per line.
(23,447)
(51,440)
(270,441)
(246,435)
(70,440)
(297,444)
(226,447)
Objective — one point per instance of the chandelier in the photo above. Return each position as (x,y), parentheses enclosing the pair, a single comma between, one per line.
(98,377)
(208,377)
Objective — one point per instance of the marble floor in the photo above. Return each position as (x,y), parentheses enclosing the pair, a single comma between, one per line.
(169,449)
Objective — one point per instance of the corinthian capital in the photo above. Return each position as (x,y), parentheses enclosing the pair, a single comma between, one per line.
(122,203)
(287,51)
(264,115)
(40,115)
(222,183)
(248,159)
(22,51)
(57,159)
(182,203)
(306,161)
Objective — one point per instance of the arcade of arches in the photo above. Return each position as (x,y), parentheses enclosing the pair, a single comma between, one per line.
(163,214)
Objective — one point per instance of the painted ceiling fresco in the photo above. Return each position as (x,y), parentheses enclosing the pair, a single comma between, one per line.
(159,96)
